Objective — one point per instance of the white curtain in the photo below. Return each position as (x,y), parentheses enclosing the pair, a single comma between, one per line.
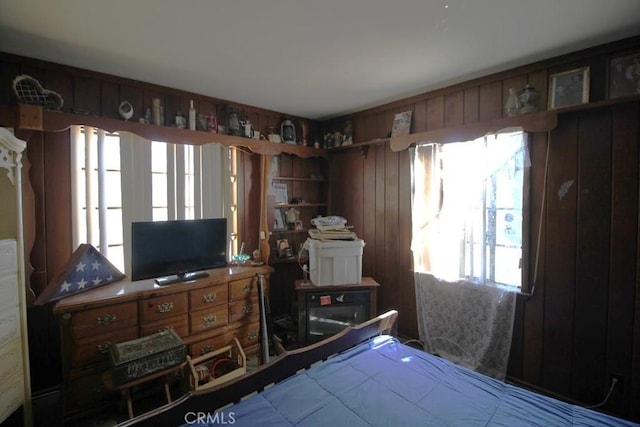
(465,311)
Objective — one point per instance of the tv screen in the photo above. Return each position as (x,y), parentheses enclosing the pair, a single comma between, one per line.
(180,247)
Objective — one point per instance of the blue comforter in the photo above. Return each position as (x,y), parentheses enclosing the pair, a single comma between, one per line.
(385,383)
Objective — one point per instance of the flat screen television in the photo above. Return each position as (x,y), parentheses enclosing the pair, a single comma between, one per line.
(178,250)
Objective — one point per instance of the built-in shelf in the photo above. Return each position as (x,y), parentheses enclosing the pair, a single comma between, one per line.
(55,121)
(299,205)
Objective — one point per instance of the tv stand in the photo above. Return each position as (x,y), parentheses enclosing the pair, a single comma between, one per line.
(182,277)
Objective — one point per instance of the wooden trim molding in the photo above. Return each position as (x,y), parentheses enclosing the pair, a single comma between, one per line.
(53,121)
(536,122)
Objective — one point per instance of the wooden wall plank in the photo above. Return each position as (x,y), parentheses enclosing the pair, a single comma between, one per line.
(435,113)
(624,253)
(380,196)
(369,213)
(534,308)
(560,256)
(110,101)
(85,100)
(490,101)
(454,109)
(593,187)
(420,117)
(471,105)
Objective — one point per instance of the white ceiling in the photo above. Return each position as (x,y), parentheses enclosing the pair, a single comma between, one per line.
(314,59)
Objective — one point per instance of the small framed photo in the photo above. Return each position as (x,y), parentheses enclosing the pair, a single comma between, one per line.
(569,88)
(298,225)
(278,220)
(284,250)
(280,191)
(402,123)
(624,76)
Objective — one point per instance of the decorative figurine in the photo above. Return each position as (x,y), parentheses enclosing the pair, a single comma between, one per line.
(529,100)
(288,132)
(292,216)
(126,110)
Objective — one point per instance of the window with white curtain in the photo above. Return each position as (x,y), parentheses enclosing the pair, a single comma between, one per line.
(121,178)
(472,196)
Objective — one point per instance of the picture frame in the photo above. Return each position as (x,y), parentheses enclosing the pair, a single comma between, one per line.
(278,220)
(283,248)
(280,191)
(402,123)
(569,88)
(298,225)
(624,75)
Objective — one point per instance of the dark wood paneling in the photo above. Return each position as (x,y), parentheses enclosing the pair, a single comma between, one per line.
(560,264)
(420,117)
(435,113)
(593,187)
(490,99)
(471,105)
(454,109)
(623,266)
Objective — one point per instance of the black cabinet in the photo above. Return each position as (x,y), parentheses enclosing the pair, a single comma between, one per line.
(324,311)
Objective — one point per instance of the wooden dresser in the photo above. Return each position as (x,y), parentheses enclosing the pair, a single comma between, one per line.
(206,313)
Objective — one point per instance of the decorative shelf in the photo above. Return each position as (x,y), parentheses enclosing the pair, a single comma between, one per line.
(289,178)
(299,205)
(55,121)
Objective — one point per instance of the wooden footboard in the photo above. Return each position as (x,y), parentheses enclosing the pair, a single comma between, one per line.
(278,369)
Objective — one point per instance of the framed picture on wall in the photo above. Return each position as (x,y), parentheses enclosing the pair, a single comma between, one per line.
(402,123)
(569,88)
(624,76)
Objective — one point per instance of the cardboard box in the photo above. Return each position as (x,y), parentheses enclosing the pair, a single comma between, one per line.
(137,358)
(217,367)
(335,262)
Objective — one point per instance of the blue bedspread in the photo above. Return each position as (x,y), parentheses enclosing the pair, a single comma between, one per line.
(385,383)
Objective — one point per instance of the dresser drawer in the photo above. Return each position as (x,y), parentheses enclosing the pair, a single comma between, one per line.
(243,289)
(211,318)
(247,334)
(96,349)
(208,297)
(163,307)
(103,320)
(208,345)
(179,324)
(243,309)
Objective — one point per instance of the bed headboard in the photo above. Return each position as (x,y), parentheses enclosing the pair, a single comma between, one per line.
(278,369)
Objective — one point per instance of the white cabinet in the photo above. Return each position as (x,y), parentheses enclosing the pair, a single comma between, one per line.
(11,365)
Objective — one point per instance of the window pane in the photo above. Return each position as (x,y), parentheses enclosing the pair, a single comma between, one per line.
(114,227)
(158,157)
(159,190)
(112,152)
(160,214)
(113,194)
(116,257)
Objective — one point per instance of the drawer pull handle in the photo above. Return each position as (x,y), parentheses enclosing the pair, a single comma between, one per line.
(209,320)
(211,296)
(165,307)
(248,288)
(106,319)
(252,335)
(104,348)
(205,350)
(247,308)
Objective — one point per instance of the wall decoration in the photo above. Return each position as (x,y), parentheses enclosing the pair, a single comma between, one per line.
(402,123)
(29,91)
(283,248)
(624,76)
(280,191)
(569,88)
(278,220)
(86,269)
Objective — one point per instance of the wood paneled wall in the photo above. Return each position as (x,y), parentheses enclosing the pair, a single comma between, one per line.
(582,325)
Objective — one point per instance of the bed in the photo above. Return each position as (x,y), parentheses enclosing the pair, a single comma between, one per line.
(366,377)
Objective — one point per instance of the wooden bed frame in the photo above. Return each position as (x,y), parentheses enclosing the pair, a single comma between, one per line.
(279,368)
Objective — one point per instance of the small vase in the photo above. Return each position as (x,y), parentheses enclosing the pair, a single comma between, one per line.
(512,106)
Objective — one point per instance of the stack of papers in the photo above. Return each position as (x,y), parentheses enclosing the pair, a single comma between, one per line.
(343,234)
